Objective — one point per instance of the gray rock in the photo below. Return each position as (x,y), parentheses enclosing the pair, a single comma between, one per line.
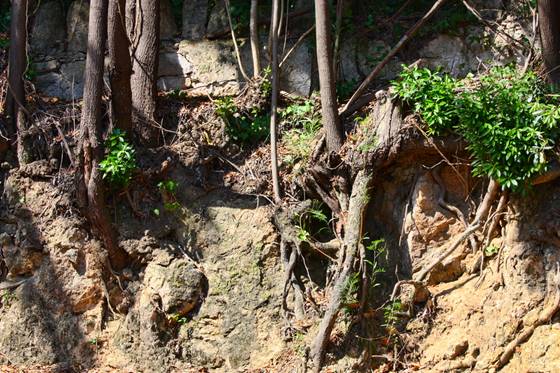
(173,64)
(448,52)
(167,26)
(77,25)
(171,83)
(296,72)
(66,84)
(47,33)
(360,56)
(195,13)
(218,22)
(215,70)
(178,285)
(46,66)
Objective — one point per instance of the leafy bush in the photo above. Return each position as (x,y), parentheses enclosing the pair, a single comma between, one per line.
(241,126)
(503,115)
(120,161)
(431,94)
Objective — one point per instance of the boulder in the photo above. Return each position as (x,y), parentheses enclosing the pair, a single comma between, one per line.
(66,84)
(218,21)
(194,19)
(77,26)
(296,72)
(178,284)
(215,71)
(173,64)
(46,32)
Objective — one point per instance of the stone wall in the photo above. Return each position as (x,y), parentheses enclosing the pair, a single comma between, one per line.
(198,58)
(198,55)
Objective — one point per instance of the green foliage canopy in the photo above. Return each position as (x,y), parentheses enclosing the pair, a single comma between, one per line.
(506,117)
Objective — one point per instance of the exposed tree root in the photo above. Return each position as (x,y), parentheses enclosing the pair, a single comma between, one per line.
(352,238)
(546,315)
(481,214)
(443,203)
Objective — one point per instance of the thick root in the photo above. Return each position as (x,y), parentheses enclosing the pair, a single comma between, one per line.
(353,229)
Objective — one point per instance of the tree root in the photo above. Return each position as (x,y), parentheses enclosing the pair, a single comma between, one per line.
(352,238)
(443,203)
(546,315)
(481,214)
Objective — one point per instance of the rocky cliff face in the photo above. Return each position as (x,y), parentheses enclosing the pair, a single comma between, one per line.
(205,285)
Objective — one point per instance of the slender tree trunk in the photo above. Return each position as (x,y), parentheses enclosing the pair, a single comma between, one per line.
(274,100)
(254,30)
(90,134)
(329,106)
(16,69)
(549,23)
(120,66)
(145,68)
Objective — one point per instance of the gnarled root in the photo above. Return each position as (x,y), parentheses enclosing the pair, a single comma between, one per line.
(546,315)
(481,214)
(352,238)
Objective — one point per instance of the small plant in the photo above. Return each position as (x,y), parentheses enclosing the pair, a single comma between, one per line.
(169,186)
(266,83)
(377,249)
(176,318)
(491,250)
(30,72)
(242,126)
(120,160)
(8,298)
(391,316)
(168,189)
(305,122)
(311,222)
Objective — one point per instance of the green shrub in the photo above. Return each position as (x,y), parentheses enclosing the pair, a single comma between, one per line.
(120,161)
(241,126)
(505,117)
(431,94)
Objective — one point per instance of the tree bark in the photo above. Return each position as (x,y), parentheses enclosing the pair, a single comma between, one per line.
(145,68)
(549,23)
(16,69)
(254,31)
(120,66)
(90,135)
(274,100)
(329,106)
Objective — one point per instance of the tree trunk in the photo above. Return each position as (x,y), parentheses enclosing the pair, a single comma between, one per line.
(145,68)
(120,66)
(329,106)
(274,100)
(254,30)
(16,69)
(90,133)
(549,23)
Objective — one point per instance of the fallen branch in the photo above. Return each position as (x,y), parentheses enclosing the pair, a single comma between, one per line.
(481,213)
(352,238)
(407,36)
